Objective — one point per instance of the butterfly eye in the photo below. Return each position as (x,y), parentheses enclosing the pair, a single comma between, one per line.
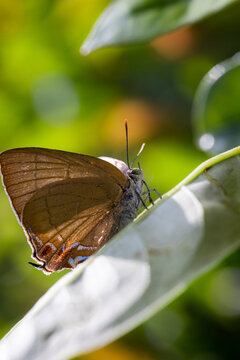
(136,172)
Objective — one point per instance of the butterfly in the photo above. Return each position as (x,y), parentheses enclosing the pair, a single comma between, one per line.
(69,204)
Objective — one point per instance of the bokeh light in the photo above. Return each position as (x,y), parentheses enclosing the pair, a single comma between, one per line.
(55,99)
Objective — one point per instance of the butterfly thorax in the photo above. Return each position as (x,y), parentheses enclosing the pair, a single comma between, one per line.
(127,209)
(129,205)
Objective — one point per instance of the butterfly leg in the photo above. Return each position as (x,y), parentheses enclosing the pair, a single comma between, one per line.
(141,200)
(149,191)
(158,194)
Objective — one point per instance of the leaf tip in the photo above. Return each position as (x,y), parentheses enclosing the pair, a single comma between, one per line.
(84,50)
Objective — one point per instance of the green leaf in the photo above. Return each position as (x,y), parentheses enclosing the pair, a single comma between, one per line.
(137,21)
(140,271)
(216,107)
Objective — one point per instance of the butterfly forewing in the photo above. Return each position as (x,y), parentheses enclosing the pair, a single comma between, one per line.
(27,170)
(63,200)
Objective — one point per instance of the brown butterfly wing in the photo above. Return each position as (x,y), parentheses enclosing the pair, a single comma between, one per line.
(64,201)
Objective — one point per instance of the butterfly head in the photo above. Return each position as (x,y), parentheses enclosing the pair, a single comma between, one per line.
(136,174)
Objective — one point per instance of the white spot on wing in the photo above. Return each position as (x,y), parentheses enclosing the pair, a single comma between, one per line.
(60,238)
(100,239)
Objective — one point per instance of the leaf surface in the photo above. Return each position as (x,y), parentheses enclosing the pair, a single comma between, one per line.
(138,21)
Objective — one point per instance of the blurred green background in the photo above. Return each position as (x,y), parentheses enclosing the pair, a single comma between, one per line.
(51,96)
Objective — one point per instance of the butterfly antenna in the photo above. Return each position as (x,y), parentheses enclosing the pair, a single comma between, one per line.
(141,149)
(126,130)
